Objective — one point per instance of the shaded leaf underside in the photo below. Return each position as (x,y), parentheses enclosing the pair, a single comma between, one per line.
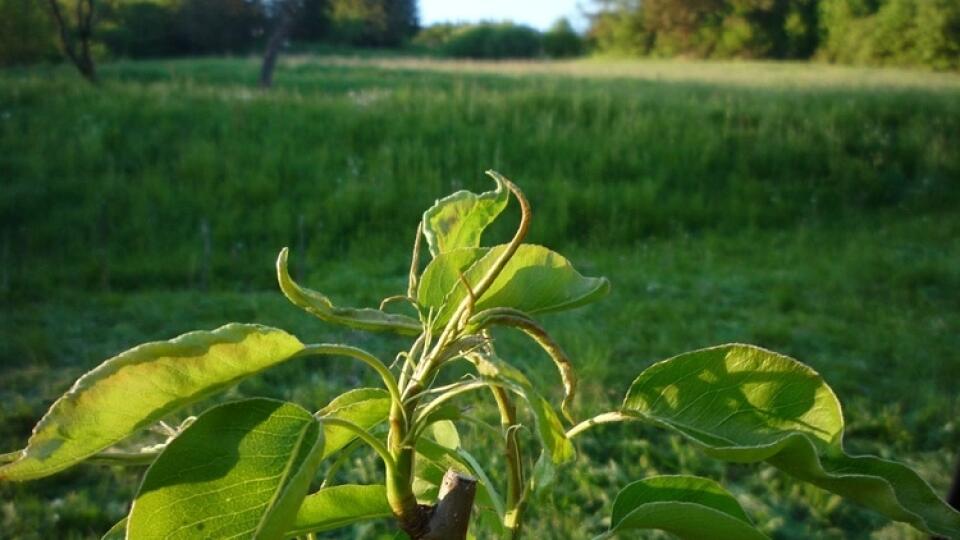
(686,506)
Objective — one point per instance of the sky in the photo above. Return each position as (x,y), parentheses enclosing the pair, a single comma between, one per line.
(539,14)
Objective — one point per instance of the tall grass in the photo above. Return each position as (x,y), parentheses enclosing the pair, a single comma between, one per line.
(179,174)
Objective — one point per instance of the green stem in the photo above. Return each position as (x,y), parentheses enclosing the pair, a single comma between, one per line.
(400,496)
(508,421)
(447,396)
(519,320)
(359,354)
(388,461)
(450,330)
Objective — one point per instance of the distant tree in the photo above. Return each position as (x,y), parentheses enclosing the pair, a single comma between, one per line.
(75,27)
(617,27)
(706,28)
(892,32)
(436,35)
(219,26)
(313,21)
(141,28)
(493,41)
(561,40)
(27,34)
(284,13)
(378,23)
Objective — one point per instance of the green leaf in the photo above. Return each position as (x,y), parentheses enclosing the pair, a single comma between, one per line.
(321,306)
(339,506)
(326,509)
(458,220)
(535,280)
(442,275)
(686,506)
(746,404)
(444,432)
(365,407)
(139,387)
(240,470)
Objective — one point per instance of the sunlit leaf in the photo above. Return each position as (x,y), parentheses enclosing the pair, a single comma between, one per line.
(686,506)
(444,432)
(241,470)
(321,306)
(326,509)
(458,220)
(339,506)
(535,280)
(743,403)
(365,407)
(443,273)
(138,387)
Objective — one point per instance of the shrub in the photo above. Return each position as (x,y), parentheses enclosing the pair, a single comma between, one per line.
(561,41)
(493,41)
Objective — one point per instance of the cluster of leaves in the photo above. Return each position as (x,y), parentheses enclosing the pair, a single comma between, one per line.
(245,468)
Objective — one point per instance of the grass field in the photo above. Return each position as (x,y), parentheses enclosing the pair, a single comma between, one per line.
(808,209)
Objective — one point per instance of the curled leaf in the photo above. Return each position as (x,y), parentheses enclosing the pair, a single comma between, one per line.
(321,306)
(458,220)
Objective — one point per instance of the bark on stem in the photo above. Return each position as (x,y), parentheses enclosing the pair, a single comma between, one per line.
(451,517)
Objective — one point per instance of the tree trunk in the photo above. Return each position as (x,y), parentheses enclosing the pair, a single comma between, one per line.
(277,38)
(82,58)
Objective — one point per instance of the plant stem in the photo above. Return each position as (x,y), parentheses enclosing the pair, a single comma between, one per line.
(411,517)
(388,460)
(508,421)
(450,330)
(359,354)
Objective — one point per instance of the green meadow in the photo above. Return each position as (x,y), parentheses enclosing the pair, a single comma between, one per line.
(808,209)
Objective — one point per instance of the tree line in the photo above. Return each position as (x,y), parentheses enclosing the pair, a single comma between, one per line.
(164,28)
(878,32)
(884,32)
